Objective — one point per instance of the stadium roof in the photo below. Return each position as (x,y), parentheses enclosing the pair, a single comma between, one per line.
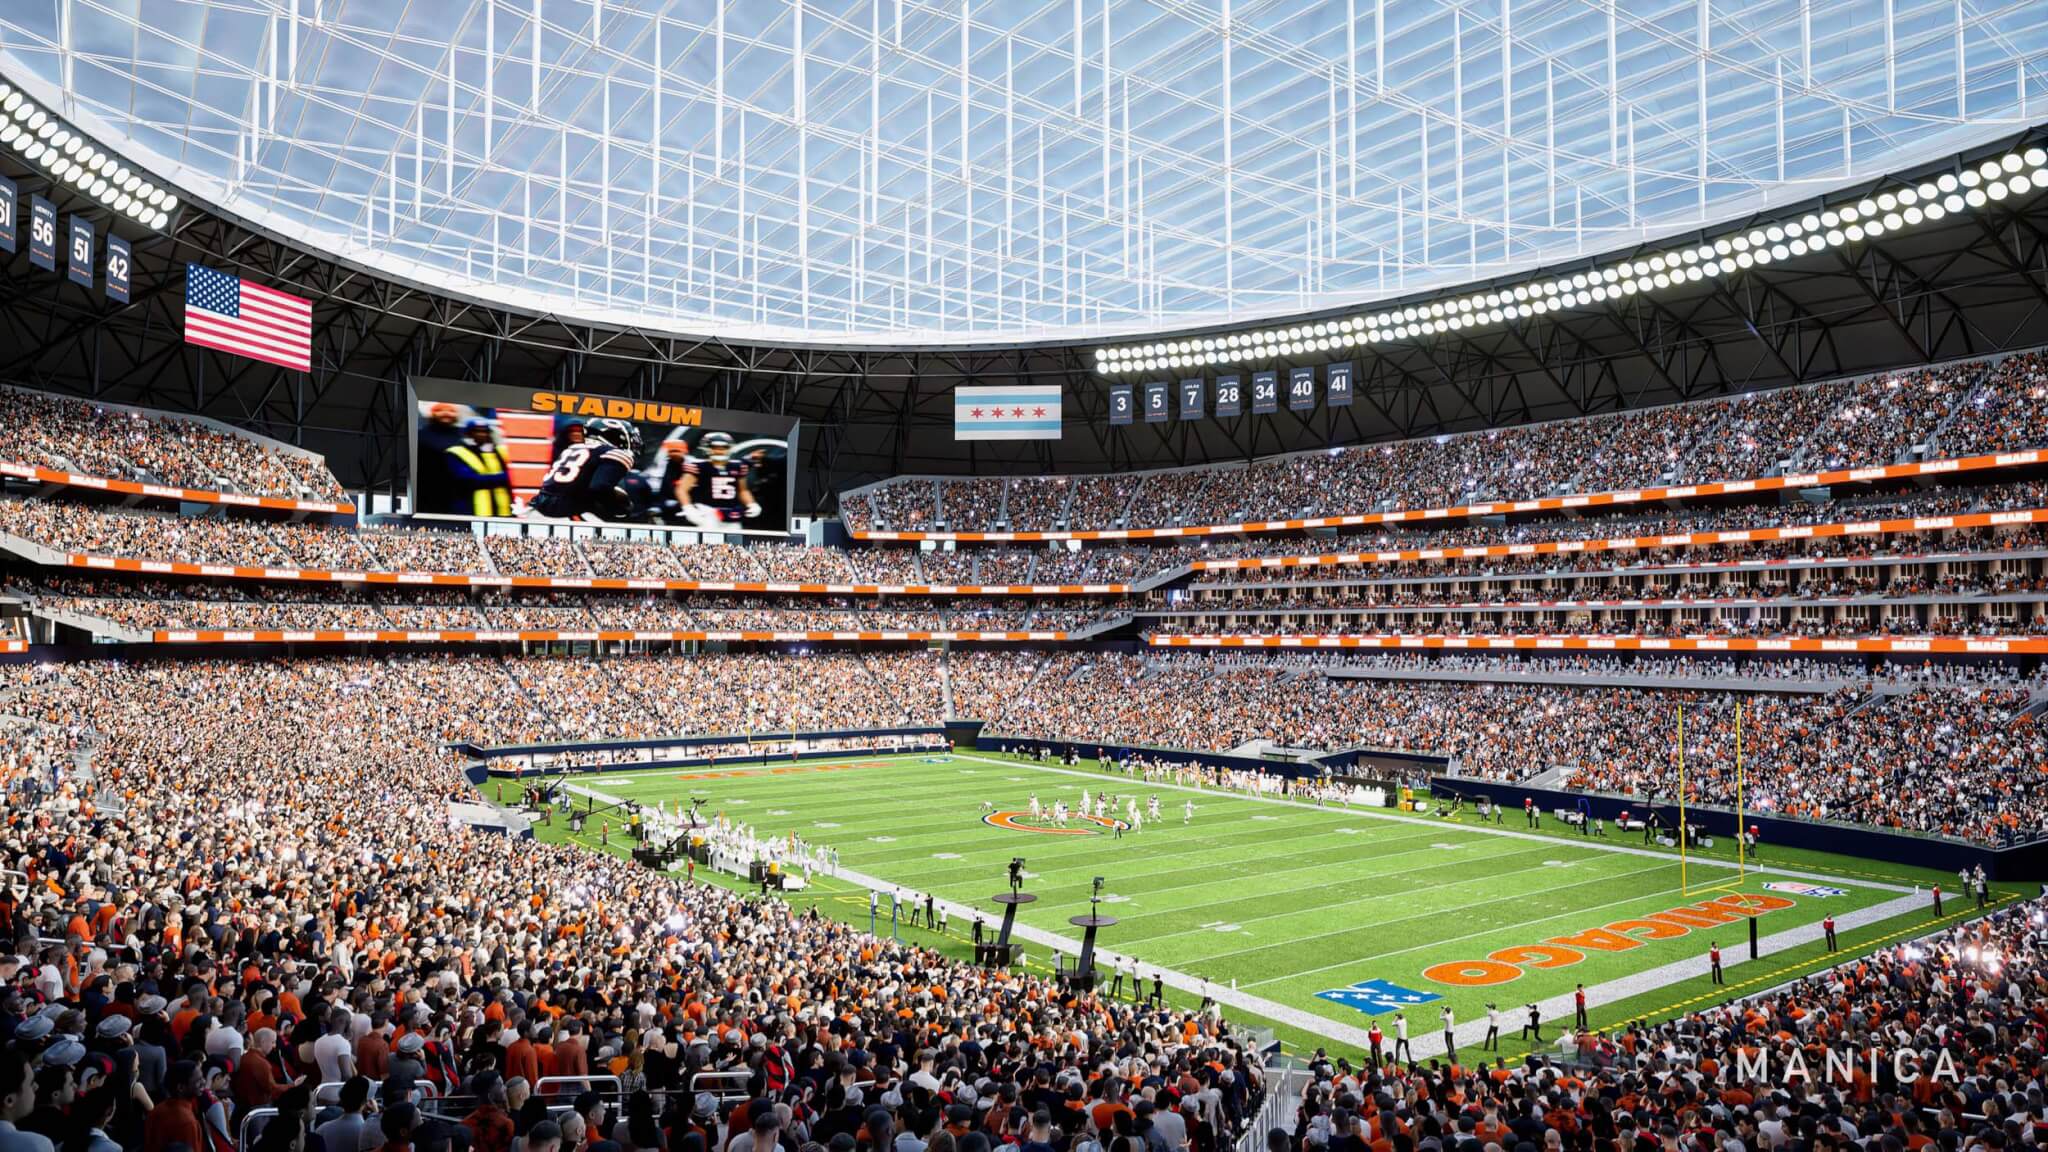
(913,172)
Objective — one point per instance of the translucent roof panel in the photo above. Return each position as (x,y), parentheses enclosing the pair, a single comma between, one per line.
(946,170)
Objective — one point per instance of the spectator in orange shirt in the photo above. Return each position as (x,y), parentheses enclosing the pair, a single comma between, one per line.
(373,1048)
(175,1120)
(255,1082)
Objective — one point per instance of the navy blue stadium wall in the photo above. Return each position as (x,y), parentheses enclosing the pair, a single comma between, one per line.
(2024,862)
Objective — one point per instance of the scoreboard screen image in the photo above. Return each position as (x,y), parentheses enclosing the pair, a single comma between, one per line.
(495,452)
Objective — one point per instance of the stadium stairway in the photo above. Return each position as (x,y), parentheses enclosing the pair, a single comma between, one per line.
(1100,627)
(96,627)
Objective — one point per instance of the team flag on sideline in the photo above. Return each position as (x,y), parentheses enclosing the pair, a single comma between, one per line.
(1019,412)
(232,315)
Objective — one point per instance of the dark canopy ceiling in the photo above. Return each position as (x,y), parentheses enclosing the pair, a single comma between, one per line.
(1973,283)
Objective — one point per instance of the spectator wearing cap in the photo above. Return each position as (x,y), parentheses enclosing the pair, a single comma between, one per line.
(111,1034)
(408,1058)
(34,1034)
(56,1088)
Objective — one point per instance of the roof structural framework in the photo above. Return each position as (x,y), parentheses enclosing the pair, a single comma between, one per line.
(920,172)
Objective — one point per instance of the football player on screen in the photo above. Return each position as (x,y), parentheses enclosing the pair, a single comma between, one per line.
(589,480)
(713,490)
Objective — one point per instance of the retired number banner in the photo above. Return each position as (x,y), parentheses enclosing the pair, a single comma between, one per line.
(1265,392)
(1301,389)
(1337,385)
(1155,402)
(1119,404)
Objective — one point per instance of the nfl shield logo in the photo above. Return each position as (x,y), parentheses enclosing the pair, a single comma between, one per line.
(1375,997)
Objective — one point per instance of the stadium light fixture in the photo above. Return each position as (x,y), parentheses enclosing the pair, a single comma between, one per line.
(69,157)
(1897,208)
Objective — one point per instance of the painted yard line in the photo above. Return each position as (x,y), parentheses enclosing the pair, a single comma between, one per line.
(669,776)
(1404,896)
(937,878)
(1376,814)
(1091,853)
(1318,867)
(1664,975)
(1438,914)
(1310,1022)
(1223,994)
(1215,880)
(1923,928)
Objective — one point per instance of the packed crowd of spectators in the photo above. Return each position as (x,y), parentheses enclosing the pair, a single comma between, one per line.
(1954,410)
(76,527)
(1569,666)
(1953,619)
(1940,1035)
(904,505)
(1944,759)
(1941,758)
(154,604)
(249,915)
(402,549)
(80,436)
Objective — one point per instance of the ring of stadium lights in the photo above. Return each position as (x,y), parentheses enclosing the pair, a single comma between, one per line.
(49,143)
(1892,210)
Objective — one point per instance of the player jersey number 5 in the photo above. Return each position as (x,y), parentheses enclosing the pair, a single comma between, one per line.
(569,464)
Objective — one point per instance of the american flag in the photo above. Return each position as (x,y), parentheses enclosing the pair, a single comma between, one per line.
(233,315)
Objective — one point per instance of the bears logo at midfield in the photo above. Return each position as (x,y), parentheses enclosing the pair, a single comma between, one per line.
(1017,821)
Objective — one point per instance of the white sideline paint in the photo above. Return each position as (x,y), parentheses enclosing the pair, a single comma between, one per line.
(1483,829)
(1426,1038)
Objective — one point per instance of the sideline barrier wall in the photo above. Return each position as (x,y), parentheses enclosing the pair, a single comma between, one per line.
(1372,763)
(484,769)
(2022,862)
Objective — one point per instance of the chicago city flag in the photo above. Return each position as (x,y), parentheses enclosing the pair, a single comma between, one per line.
(1019,412)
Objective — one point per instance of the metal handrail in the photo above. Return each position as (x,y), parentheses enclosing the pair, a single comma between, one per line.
(244,1138)
(712,1082)
(562,1085)
(1283,1083)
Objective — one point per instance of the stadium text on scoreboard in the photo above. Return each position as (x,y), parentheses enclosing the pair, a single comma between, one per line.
(495,451)
(616,408)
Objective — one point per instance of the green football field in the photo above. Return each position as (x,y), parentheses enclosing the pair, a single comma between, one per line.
(1288,900)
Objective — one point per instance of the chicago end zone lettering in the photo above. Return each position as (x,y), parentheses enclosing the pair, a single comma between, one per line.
(615,408)
(1620,936)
